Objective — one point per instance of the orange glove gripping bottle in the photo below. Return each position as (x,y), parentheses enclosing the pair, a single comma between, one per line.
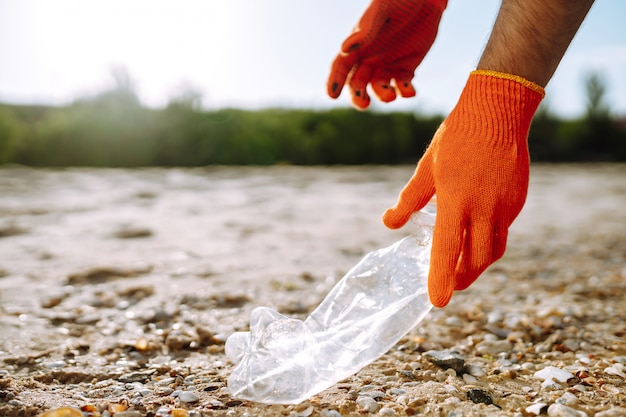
(390,41)
(478,165)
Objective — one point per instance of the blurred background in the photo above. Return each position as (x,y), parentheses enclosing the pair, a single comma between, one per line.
(189,83)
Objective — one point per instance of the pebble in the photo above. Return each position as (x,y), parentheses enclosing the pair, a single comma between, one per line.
(479,396)
(475,370)
(469,379)
(188,397)
(454,321)
(536,408)
(406,374)
(374,394)
(166,381)
(493,347)
(367,404)
(441,376)
(136,376)
(128,413)
(560,410)
(450,388)
(164,391)
(616,369)
(304,413)
(447,359)
(403,399)
(568,399)
(56,364)
(330,413)
(583,358)
(612,412)
(387,411)
(495,316)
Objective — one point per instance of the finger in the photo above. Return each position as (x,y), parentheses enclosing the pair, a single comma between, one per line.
(404,85)
(414,196)
(500,236)
(476,255)
(368,27)
(485,245)
(446,250)
(359,78)
(381,85)
(341,67)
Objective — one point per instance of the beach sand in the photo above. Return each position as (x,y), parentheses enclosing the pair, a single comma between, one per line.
(119,287)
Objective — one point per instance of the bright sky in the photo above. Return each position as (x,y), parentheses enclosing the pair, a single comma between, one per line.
(259,53)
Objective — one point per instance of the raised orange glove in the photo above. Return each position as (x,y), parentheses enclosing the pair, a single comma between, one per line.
(478,165)
(390,41)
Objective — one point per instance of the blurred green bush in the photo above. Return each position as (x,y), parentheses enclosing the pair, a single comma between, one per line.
(113,129)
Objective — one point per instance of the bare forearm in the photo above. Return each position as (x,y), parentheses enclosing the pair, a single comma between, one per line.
(530,37)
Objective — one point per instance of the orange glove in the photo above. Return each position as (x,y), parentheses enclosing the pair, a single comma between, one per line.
(478,165)
(390,41)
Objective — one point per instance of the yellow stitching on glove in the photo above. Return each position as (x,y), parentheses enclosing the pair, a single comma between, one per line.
(516,78)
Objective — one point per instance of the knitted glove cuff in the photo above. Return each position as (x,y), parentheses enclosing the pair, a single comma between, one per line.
(523,81)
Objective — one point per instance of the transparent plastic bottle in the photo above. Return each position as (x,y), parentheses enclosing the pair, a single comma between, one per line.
(285,361)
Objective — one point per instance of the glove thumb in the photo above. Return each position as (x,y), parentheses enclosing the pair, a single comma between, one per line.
(414,196)
(368,27)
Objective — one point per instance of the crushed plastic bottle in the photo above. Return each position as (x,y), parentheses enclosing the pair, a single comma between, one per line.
(282,360)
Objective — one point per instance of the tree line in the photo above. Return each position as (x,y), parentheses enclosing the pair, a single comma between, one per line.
(113,129)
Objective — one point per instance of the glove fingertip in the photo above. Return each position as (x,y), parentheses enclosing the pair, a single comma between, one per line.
(440,295)
(360,99)
(406,89)
(333,88)
(384,91)
(352,42)
(394,219)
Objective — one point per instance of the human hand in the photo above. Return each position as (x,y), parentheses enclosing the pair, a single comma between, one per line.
(478,165)
(390,41)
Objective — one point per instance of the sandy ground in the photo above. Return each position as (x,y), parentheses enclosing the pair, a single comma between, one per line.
(119,287)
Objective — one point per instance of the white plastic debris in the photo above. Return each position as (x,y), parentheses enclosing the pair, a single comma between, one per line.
(285,361)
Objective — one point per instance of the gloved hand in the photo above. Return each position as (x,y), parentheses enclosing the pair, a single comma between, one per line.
(390,41)
(478,165)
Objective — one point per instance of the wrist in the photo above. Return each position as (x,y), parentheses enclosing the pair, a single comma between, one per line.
(496,106)
(511,77)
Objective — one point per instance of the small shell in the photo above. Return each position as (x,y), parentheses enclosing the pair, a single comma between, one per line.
(611,389)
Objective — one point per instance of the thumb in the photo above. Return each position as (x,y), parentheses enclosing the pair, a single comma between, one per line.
(414,196)
(368,27)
